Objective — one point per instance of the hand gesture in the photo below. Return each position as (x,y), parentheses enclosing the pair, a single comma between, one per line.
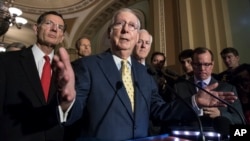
(203,99)
(65,77)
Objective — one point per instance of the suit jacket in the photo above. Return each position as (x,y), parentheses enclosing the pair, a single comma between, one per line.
(103,100)
(186,89)
(24,113)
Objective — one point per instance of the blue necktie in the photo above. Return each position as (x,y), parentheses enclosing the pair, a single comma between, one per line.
(202,84)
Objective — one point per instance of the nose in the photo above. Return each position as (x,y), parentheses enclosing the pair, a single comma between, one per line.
(125,27)
(54,27)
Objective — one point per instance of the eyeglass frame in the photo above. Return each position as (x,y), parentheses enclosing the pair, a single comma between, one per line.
(51,24)
(121,24)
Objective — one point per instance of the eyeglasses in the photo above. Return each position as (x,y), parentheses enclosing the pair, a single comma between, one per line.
(121,24)
(144,42)
(202,64)
(51,24)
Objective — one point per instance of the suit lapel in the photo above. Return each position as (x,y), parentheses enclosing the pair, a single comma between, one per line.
(192,87)
(114,78)
(29,66)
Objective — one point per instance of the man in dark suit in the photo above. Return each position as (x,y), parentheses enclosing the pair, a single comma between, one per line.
(26,114)
(203,63)
(102,96)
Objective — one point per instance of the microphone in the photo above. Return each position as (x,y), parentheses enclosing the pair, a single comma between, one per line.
(151,71)
(201,136)
(169,72)
(118,86)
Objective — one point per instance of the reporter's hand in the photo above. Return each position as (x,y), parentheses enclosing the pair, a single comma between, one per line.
(205,100)
(65,78)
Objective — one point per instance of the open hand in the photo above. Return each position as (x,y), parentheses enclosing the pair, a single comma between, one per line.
(65,78)
(204,99)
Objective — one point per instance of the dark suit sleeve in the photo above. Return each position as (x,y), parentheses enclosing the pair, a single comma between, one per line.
(228,112)
(167,111)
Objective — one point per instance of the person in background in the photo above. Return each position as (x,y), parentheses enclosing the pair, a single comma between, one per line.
(185,58)
(157,62)
(28,95)
(143,46)
(231,58)
(114,110)
(203,63)
(241,79)
(83,47)
(15,46)
(141,51)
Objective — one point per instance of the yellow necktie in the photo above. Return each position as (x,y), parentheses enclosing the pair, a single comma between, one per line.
(127,81)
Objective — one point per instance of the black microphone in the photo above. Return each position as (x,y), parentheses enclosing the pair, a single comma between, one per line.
(169,72)
(153,72)
(118,86)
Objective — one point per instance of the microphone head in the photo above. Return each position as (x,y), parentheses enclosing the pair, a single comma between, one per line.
(151,71)
(171,73)
(222,125)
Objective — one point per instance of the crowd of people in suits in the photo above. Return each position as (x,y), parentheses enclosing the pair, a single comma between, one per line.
(87,98)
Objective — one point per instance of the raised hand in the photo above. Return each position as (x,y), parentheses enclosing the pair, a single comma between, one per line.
(65,77)
(203,99)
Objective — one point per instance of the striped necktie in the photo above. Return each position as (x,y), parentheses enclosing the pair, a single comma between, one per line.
(127,81)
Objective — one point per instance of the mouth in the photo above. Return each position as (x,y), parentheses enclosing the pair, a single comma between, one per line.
(52,36)
(124,39)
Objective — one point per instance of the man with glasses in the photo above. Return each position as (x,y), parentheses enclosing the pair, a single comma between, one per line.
(203,63)
(114,107)
(29,90)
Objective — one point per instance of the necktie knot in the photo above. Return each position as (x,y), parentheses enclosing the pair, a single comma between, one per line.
(125,69)
(46,58)
(202,84)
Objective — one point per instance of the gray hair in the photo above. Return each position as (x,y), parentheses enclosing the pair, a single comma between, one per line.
(120,11)
(150,36)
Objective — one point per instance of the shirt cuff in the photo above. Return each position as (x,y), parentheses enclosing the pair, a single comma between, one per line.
(196,108)
(64,115)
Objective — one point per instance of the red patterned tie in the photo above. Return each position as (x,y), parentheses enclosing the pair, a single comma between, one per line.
(46,76)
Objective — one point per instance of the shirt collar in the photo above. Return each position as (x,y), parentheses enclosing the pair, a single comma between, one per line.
(118,61)
(207,81)
(38,53)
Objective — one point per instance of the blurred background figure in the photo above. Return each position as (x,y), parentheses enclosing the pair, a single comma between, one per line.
(231,58)
(241,79)
(157,64)
(15,46)
(185,58)
(83,46)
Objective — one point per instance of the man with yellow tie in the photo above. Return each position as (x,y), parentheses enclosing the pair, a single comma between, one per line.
(103,98)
